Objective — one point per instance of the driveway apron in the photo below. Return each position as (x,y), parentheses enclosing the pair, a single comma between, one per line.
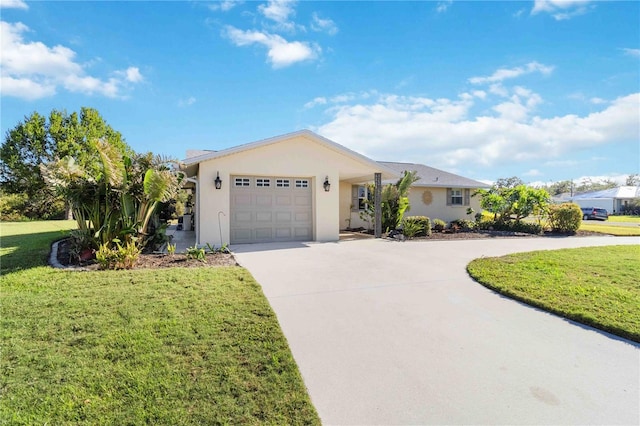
(391,333)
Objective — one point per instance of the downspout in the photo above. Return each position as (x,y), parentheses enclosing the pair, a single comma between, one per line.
(197,221)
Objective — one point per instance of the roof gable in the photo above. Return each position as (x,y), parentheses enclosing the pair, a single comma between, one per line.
(432,177)
(306,134)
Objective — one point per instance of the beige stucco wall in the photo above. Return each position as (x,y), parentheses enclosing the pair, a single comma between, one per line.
(295,157)
(438,208)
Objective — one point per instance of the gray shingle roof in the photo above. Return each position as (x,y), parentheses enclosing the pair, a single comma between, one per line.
(431,177)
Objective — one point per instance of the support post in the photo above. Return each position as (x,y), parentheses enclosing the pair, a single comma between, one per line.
(378,204)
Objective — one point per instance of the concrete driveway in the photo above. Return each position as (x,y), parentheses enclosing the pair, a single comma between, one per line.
(392,333)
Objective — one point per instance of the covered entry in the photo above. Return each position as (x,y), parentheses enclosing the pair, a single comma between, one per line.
(270,209)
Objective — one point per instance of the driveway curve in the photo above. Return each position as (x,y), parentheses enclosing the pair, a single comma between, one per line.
(397,333)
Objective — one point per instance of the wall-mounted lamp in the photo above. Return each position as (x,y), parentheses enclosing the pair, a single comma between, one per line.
(326,184)
(218,181)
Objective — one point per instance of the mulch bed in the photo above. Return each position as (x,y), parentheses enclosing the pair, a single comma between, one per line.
(470,235)
(155,261)
(152,261)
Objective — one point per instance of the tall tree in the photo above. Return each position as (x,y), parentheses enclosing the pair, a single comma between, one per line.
(37,141)
(633,180)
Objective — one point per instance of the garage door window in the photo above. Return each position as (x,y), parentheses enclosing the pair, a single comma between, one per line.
(283,183)
(263,182)
(302,183)
(240,182)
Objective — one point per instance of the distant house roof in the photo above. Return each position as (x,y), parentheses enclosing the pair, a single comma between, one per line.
(617,193)
(431,177)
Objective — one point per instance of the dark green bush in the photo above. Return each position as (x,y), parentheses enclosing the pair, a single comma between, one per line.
(12,207)
(511,226)
(421,224)
(565,217)
(463,225)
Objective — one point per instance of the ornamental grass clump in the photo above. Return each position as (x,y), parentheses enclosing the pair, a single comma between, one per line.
(117,256)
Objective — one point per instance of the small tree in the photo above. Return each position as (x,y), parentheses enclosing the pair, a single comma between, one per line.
(513,203)
(38,140)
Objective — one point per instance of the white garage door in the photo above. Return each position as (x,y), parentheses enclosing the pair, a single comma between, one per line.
(268,209)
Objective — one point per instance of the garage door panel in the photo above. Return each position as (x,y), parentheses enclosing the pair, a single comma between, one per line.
(241,199)
(283,233)
(264,213)
(242,217)
(300,200)
(262,216)
(302,232)
(302,217)
(283,217)
(241,235)
(283,200)
(264,200)
(263,234)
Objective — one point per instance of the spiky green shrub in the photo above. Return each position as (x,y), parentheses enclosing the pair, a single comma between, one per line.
(421,224)
(439,225)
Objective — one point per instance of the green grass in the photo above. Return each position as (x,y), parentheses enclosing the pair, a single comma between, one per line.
(627,219)
(27,244)
(597,286)
(167,347)
(604,228)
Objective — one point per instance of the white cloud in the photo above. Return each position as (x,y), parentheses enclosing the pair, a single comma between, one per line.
(32,70)
(561,9)
(133,75)
(186,102)
(323,25)
(225,5)
(442,6)
(13,4)
(532,172)
(281,53)
(597,101)
(509,73)
(440,132)
(278,10)
(316,101)
(631,52)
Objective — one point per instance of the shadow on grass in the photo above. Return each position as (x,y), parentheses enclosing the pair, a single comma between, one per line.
(27,251)
(585,323)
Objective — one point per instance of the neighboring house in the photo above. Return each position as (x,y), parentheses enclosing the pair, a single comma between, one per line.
(302,187)
(437,195)
(612,199)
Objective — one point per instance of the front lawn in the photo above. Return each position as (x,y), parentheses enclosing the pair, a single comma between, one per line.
(625,218)
(597,286)
(170,347)
(605,228)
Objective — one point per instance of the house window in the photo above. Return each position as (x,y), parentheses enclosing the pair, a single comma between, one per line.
(263,182)
(283,183)
(360,197)
(241,182)
(302,183)
(458,197)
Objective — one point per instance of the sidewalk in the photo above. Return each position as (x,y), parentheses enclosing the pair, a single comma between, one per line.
(182,239)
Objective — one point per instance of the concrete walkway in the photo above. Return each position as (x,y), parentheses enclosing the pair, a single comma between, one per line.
(393,333)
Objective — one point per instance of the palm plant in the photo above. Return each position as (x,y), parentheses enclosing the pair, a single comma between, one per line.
(395,200)
(118,200)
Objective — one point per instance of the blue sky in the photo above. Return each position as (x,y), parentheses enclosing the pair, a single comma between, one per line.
(545,90)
